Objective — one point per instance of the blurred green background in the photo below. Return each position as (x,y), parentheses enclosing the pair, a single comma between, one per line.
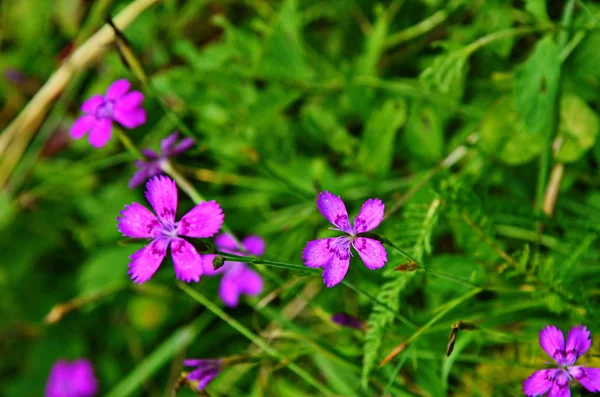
(467,118)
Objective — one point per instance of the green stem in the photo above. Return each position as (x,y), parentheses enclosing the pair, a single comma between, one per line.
(129,145)
(197,296)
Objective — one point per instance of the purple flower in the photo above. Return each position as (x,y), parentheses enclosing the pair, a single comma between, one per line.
(118,104)
(71,379)
(555,382)
(205,372)
(238,278)
(346,320)
(202,221)
(154,161)
(333,254)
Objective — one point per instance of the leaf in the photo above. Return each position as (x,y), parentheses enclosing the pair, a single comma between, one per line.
(537,8)
(423,134)
(536,85)
(378,140)
(578,128)
(323,125)
(107,267)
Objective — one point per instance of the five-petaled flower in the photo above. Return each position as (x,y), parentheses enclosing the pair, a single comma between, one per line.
(202,221)
(154,161)
(555,382)
(205,372)
(71,379)
(238,278)
(333,254)
(119,104)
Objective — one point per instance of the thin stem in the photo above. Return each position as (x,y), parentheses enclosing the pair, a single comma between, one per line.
(129,145)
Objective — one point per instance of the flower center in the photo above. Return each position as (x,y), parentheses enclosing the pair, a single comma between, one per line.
(170,230)
(105,110)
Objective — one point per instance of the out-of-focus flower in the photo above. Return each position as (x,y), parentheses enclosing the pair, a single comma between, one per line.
(119,104)
(71,379)
(205,371)
(153,164)
(238,278)
(333,254)
(202,221)
(346,320)
(555,382)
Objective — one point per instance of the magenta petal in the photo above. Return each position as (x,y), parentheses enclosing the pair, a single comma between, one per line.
(560,387)
(370,216)
(167,144)
(136,221)
(81,126)
(130,101)
(226,243)
(371,252)
(334,210)
(552,341)
(100,133)
(207,266)
(186,260)
(229,291)
(182,146)
(130,118)
(76,378)
(250,282)
(161,193)
(255,245)
(588,377)
(92,104)
(317,253)
(117,89)
(539,382)
(578,342)
(139,177)
(335,271)
(202,221)
(83,378)
(145,262)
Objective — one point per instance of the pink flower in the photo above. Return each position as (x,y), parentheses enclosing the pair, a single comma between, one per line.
(238,278)
(205,371)
(119,104)
(202,221)
(333,254)
(556,381)
(71,379)
(154,161)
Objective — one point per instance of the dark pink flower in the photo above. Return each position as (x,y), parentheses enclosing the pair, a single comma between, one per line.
(556,381)
(119,104)
(71,379)
(333,254)
(205,371)
(154,161)
(238,278)
(202,221)
(347,320)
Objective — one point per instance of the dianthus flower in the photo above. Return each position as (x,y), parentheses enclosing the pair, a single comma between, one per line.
(205,371)
(333,254)
(556,382)
(154,161)
(347,320)
(202,221)
(238,278)
(119,104)
(71,379)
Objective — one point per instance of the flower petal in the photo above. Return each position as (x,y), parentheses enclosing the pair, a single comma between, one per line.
(186,260)
(182,146)
(371,251)
(161,193)
(145,262)
(130,118)
(559,389)
(130,101)
(83,379)
(578,342)
(370,216)
(229,291)
(552,341)
(100,133)
(317,253)
(117,89)
(207,266)
(250,282)
(167,144)
(145,172)
(81,126)
(92,104)
(202,221)
(335,271)
(226,243)
(539,382)
(255,245)
(136,221)
(203,376)
(588,377)
(334,210)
